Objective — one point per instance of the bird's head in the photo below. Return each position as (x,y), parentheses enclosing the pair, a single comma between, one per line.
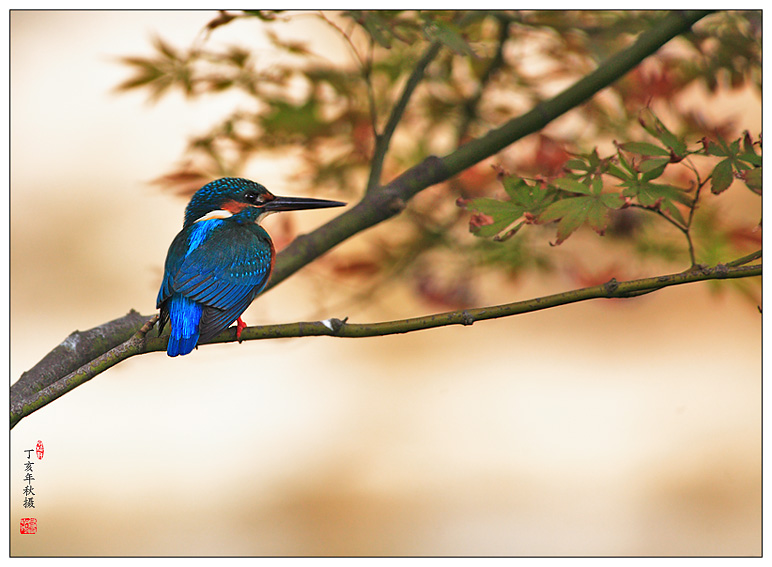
(230,196)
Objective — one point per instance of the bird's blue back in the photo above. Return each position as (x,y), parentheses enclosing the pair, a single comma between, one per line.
(214,269)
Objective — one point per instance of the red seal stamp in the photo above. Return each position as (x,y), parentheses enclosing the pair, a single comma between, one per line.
(39,450)
(28,526)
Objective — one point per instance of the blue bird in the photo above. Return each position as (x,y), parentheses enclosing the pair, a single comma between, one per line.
(221,259)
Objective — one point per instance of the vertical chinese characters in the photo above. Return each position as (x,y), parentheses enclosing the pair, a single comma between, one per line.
(30,525)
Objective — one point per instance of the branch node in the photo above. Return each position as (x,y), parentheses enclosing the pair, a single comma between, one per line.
(148,326)
(396,205)
(334,325)
(467,318)
(611,286)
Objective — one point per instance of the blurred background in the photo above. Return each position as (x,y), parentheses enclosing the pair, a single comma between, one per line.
(602,428)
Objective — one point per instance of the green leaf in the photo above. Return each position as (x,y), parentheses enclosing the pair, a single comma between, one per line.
(722,177)
(449,36)
(612,200)
(752,179)
(523,198)
(502,214)
(645,149)
(628,167)
(291,119)
(618,172)
(577,164)
(571,213)
(648,194)
(656,128)
(653,168)
(571,185)
(494,206)
(751,158)
(531,197)
(375,26)
(597,185)
(748,147)
(593,159)
(648,165)
(714,149)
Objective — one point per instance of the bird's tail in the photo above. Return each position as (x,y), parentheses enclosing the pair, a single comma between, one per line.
(185,316)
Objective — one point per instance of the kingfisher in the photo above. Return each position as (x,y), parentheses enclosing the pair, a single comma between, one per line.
(221,259)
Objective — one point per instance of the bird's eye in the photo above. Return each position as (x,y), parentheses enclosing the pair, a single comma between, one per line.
(254,197)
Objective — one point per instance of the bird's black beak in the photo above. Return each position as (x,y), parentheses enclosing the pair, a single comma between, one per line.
(298,203)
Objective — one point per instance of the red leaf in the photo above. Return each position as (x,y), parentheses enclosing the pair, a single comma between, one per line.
(479,219)
(550,156)
(356,267)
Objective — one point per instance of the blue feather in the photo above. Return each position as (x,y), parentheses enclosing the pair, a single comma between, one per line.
(185,316)
(200,231)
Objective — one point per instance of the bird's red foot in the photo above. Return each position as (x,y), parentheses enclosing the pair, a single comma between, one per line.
(240,326)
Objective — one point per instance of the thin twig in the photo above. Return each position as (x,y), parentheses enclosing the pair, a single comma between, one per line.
(745,259)
(383,139)
(471,104)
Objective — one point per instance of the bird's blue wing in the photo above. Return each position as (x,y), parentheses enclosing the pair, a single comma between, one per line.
(224,273)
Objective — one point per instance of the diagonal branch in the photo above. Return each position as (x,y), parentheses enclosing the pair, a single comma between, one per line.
(384,202)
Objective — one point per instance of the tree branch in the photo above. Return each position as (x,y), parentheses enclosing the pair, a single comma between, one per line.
(383,139)
(42,384)
(469,108)
(76,350)
(388,200)
(25,401)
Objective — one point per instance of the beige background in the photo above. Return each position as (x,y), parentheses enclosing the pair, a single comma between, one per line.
(617,428)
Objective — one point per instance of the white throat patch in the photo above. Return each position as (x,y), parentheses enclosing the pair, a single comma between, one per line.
(216,214)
